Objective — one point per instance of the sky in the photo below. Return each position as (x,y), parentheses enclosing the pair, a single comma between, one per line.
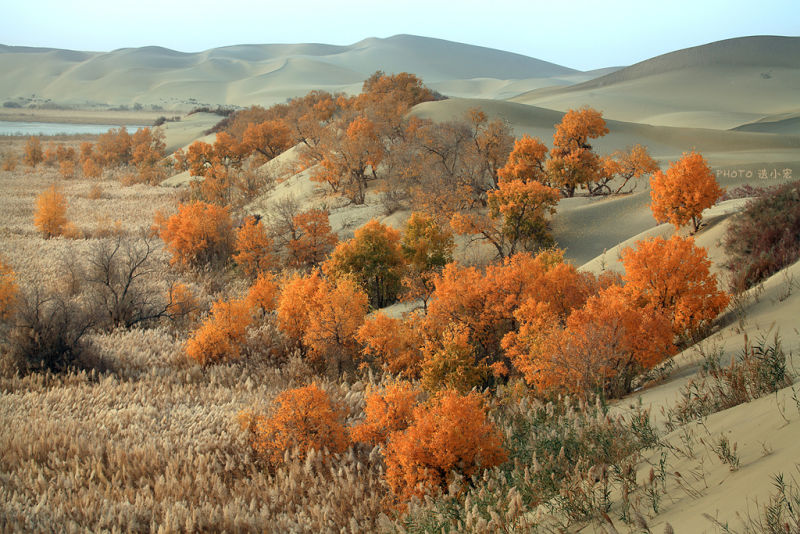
(581,34)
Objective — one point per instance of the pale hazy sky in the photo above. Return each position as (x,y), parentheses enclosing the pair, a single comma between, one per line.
(582,34)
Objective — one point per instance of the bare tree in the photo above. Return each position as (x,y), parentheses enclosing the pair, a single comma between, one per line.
(122,274)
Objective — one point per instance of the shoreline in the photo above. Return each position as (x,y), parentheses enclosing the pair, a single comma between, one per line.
(83,116)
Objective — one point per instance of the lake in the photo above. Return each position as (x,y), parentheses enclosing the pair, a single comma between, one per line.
(53,128)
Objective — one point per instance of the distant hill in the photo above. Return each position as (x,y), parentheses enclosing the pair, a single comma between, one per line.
(264,74)
(719,85)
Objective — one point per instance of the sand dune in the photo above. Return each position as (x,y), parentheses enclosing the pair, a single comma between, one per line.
(718,85)
(263,74)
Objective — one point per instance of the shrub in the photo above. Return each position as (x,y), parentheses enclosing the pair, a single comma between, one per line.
(33,154)
(221,336)
(9,290)
(51,212)
(673,276)
(449,434)
(47,331)
(253,248)
(374,259)
(301,419)
(120,271)
(765,237)
(388,410)
(199,234)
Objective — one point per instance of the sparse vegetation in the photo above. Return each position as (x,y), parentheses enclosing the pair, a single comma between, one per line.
(226,371)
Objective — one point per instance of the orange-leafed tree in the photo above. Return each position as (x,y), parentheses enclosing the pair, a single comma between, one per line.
(623,166)
(485,302)
(269,138)
(263,294)
(449,433)
(374,259)
(67,169)
(222,335)
(517,219)
(673,275)
(449,361)
(680,195)
(113,148)
(526,161)
(9,290)
(395,343)
(147,147)
(322,318)
(387,410)
(301,419)
(199,234)
(91,169)
(404,90)
(351,159)
(312,238)
(602,347)
(33,154)
(51,212)
(295,306)
(427,247)
(253,248)
(337,313)
(573,163)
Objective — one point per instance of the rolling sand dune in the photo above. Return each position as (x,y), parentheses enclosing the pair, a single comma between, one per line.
(264,74)
(718,85)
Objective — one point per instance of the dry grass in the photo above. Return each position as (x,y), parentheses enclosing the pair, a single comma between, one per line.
(151,443)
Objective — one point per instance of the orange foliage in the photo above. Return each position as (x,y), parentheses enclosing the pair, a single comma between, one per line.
(349,159)
(147,147)
(268,138)
(91,169)
(449,362)
(572,162)
(485,303)
(8,290)
(526,161)
(67,169)
(322,318)
(295,305)
(113,148)
(199,234)
(313,238)
(601,348)
(302,419)
(517,217)
(253,248)
(387,411)
(449,433)
(221,336)
(404,89)
(33,152)
(393,342)
(51,212)
(634,163)
(263,294)
(338,312)
(673,276)
(680,195)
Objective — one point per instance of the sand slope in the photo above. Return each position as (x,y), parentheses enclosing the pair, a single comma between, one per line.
(263,74)
(718,85)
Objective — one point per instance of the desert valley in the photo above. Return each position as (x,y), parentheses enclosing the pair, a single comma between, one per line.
(405,285)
